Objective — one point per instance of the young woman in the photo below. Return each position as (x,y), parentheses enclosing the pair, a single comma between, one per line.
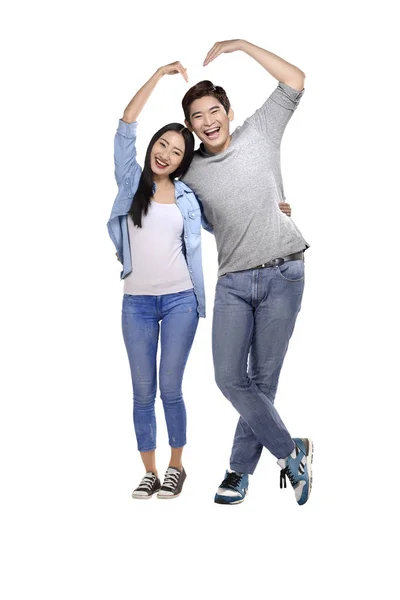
(155,225)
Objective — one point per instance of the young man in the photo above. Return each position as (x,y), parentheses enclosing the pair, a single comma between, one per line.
(237,179)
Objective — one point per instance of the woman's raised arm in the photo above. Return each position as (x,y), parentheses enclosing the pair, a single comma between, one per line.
(135,106)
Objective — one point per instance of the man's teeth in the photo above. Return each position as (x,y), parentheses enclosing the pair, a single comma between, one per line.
(209,131)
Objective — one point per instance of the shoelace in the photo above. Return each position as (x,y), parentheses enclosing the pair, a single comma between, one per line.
(291,476)
(170,480)
(231,481)
(147,483)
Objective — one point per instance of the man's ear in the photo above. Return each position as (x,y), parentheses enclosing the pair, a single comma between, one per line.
(231,114)
(188,126)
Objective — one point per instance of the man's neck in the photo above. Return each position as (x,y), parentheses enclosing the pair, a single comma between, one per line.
(218,149)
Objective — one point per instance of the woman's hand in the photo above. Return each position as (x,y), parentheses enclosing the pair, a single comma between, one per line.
(222,48)
(285,208)
(173,69)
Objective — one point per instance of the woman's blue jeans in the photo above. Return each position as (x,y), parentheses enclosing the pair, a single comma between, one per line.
(143,317)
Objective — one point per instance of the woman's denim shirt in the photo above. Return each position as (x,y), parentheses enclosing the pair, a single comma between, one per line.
(127,175)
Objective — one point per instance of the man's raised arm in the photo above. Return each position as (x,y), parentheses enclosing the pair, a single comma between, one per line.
(276,66)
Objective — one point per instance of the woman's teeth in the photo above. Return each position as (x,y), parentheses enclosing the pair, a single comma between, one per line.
(160,164)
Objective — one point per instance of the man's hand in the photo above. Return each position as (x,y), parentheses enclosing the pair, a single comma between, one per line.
(222,48)
(173,69)
(285,208)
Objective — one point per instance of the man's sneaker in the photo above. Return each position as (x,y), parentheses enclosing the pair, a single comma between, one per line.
(233,489)
(172,484)
(149,485)
(297,466)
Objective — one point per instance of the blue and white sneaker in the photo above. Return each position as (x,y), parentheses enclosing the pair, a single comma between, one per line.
(233,489)
(297,466)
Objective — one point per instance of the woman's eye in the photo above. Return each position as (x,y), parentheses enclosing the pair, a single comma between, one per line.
(162,144)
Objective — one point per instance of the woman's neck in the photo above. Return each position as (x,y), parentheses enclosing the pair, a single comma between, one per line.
(162,183)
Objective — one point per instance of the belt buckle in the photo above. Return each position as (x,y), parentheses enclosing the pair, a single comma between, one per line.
(277,262)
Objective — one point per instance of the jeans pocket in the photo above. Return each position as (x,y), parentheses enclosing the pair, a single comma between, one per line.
(136,304)
(292,271)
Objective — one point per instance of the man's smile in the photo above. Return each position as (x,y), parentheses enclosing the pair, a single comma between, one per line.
(212,133)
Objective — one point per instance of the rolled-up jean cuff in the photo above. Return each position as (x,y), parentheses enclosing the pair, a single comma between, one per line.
(146,449)
(176,445)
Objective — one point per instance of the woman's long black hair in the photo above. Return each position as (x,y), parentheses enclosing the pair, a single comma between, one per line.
(141,200)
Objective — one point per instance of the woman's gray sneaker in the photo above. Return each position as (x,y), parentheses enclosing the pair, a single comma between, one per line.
(172,484)
(149,485)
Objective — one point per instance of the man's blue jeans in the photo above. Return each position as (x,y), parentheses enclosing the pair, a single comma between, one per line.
(141,318)
(254,316)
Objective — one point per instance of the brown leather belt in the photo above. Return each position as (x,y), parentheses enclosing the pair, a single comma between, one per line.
(276,262)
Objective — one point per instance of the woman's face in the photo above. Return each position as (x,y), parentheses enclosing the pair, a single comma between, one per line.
(167,153)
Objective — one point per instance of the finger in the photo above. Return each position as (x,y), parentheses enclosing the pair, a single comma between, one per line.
(213,56)
(285,208)
(183,72)
(210,53)
(179,68)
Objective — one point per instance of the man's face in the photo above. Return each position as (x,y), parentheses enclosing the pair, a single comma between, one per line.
(209,121)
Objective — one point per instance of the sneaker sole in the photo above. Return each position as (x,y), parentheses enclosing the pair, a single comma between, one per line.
(168,497)
(236,501)
(143,497)
(310,458)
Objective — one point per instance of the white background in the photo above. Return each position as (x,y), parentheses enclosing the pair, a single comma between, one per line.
(69,461)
